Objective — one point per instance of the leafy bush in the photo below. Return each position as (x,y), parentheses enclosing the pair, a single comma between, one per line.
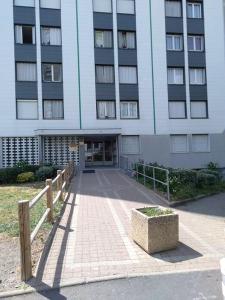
(24,167)
(25,177)
(212,172)
(8,175)
(184,176)
(212,166)
(205,179)
(45,172)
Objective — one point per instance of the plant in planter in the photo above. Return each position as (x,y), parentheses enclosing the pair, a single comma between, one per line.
(155,229)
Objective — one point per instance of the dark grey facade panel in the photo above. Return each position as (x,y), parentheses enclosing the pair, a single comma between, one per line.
(175,59)
(195,26)
(50,17)
(26,90)
(197,59)
(127,57)
(104,56)
(177,92)
(52,90)
(25,53)
(105,91)
(24,15)
(51,54)
(103,21)
(198,92)
(126,22)
(129,92)
(174,25)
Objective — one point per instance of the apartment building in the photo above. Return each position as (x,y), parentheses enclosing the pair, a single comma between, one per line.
(96,79)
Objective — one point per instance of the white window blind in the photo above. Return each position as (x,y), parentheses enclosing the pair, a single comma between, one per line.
(103,39)
(200,143)
(26,72)
(198,109)
(130,145)
(55,4)
(197,76)
(104,74)
(128,75)
(102,6)
(126,40)
(52,72)
(175,76)
(106,109)
(126,6)
(51,36)
(179,143)
(29,3)
(173,9)
(194,10)
(53,109)
(27,109)
(25,34)
(195,43)
(177,110)
(129,110)
(174,42)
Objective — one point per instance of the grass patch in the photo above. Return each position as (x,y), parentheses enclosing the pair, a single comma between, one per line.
(9,197)
(155,211)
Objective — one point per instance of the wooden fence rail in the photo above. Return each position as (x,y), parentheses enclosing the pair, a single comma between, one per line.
(26,236)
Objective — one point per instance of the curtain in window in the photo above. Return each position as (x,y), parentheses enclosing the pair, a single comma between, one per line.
(174,42)
(126,6)
(45,36)
(103,39)
(198,109)
(194,10)
(53,109)
(126,40)
(129,110)
(33,35)
(26,72)
(55,36)
(178,42)
(56,4)
(130,145)
(102,6)
(104,74)
(169,42)
(200,143)
(173,8)
(24,3)
(179,143)
(175,76)
(27,109)
(197,76)
(195,43)
(106,109)
(19,34)
(177,110)
(128,75)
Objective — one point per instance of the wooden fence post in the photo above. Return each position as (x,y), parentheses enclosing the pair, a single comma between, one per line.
(50,200)
(25,243)
(59,183)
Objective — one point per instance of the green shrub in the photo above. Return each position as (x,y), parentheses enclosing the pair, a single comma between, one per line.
(25,177)
(8,175)
(184,176)
(24,167)
(212,172)
(44,173)
(205,179)
(212,166)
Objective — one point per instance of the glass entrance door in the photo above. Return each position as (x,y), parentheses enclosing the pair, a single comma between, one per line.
(98,153)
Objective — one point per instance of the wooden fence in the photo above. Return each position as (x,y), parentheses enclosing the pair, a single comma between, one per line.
(26,236)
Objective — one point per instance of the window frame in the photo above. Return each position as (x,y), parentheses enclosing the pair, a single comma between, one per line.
(178,84)
(130,101)
(52,72)
(209,143)
(129,14)
(54,27)
(26,100)
(101,12)
(53,119)
(187,144)
(197,84)
(23,5)
(193,4)
(173,35)
(128,66)
(135,39)
(50,7)
(108,30)
(25,62)
(97,65)
(106,118)
(194,36)
(185,109)
(131,153)
(26,25)
(206,107)
(181,16)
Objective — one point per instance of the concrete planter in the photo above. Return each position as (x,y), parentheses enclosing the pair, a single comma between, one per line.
(155,234)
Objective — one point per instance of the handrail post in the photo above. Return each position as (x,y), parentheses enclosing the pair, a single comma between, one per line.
(144,174)
(137,171)
(59,183)
(168,185)
(25,244)
(153,178)
(50,200)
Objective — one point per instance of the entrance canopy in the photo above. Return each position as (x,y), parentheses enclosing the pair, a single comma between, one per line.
(78,132)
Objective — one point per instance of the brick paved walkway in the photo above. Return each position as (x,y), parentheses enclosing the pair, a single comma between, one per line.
(93,238)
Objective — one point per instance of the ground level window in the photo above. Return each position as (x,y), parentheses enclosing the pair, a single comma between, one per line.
(53,109)
(200,143)
(130,145)
(179,143)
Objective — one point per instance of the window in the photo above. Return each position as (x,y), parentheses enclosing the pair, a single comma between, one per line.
(26,72)
(128,109)
(25,34)
(51,36)
(29,3)
(103,39)
(173,9)
(128,75)
(126,7)
(174,42)
(194,10)
(52,72)
(55,4)
(179,143)
(104,6)
(197,76)
(198,109)
(126,40)
(53,109)
(106,110)
(27,109)
(196,43)
(130,145)
(175,76)
(104,74)
(200,143)
(177,109)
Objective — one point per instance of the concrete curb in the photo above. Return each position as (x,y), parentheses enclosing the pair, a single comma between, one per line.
(179,203)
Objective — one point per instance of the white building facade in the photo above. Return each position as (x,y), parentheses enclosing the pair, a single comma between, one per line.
(94,80)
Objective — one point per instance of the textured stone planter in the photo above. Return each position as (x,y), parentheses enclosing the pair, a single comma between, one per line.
(155,234)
